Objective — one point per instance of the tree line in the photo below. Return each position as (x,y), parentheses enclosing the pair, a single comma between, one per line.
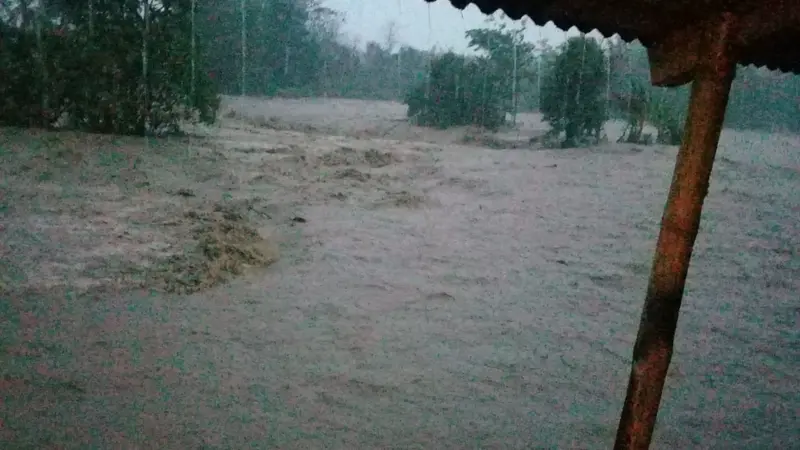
(579,85)
(760,99)
(137,66)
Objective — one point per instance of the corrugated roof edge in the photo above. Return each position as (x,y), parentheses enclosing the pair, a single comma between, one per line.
(534,12)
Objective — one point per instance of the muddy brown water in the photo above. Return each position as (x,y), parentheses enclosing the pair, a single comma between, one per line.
(449,297)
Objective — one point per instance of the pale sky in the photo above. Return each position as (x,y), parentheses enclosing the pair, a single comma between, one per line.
(423,25)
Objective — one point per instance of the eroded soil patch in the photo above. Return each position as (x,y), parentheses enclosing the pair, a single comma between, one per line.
(94,212)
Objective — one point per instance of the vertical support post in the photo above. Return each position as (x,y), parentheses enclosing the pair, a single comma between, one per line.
(87,50)
(679,227)
(286,56)
(608,81)
(514,82)
(629,79)
(539,82)
(192,88)
(145,69)
(44,86)
(243,6)
(91,18)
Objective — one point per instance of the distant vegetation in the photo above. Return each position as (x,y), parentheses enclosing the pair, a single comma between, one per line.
(760,99)
(145,65)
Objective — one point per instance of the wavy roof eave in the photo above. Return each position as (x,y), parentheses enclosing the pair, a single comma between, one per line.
(647,20)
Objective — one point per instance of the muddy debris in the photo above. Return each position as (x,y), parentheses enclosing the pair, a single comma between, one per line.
(275,123)
(225,246)
(184,192)
(377,159)
(281,150)
(343,156)
(353,174)
(402,199)
(333,159)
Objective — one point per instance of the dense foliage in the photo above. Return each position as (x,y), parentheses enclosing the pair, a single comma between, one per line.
(764,100)
(478,90)
(459,93)
(574,91)
(294,48)
(62,61)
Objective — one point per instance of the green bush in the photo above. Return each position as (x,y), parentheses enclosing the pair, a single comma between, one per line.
(459,92)
(666,118)
(573,92)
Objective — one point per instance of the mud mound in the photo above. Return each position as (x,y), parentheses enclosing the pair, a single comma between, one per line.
(264,148)
(225,247)
(486,141)
(377,159)
(353,174)
(346,156)
(496,142)
(274,123)
(470,184)
(401,199)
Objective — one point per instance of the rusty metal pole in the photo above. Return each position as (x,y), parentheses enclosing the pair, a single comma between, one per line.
(679,226)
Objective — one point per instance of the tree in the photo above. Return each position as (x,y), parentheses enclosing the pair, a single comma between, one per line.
(282,49)
(508,59)
(636,101)
(766,100)
(390,36)
(476,90)
(574,89)
(666,110)
(636,106)
(106,66)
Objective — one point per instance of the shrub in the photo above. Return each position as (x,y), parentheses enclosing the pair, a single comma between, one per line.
(573,92)
(459,92)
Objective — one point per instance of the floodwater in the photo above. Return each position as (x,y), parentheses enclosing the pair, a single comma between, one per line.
(446,296)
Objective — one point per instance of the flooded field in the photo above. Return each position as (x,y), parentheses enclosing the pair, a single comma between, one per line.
(430,293)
